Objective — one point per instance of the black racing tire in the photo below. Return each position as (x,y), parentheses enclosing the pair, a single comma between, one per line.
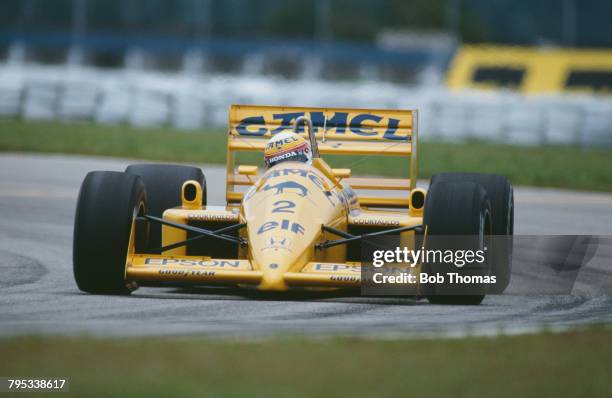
(456,208)
(163,183)
(501,194)
(107,205)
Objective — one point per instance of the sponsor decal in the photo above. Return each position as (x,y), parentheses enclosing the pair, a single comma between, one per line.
(154,261)
(286,225)
(282,156)
(376,222)
(361,124)
(291,185)
(212,217)
(327,267)
(184,273)
(305,173)
(280,143)
(338,278)
(277,244)
(281,186)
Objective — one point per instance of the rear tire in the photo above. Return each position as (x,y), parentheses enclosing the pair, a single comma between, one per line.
(501,194)
(163,183)
(107,204)
(456,208)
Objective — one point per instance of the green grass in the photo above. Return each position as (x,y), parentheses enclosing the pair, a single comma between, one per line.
(570,364)
(562,167)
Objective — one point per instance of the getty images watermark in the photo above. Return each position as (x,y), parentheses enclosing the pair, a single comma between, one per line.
(410,257)
(496,264)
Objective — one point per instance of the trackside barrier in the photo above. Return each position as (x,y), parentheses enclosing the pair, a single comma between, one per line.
(153,99)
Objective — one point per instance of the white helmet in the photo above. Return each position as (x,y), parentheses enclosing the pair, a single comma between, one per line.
(287,146)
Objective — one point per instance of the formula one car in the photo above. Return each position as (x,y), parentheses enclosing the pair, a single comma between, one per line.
(292,226)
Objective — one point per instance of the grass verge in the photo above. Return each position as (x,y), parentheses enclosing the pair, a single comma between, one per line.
(569,364)
(561,167)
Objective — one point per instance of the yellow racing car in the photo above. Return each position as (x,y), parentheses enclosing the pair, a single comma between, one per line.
(295,224)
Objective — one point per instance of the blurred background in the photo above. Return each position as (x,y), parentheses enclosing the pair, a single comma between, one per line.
(511,71)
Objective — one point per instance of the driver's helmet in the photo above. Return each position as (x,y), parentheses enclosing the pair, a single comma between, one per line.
(287,146)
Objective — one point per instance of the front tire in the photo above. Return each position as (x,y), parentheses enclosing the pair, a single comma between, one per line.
(501,194)
(462,209)
(107,206)
(163,183)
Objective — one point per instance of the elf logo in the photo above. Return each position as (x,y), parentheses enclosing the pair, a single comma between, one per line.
(286,225)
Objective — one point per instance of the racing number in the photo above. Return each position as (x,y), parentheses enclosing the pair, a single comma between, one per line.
(283,206)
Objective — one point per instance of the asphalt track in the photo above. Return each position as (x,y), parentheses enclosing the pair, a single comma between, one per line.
(38,294)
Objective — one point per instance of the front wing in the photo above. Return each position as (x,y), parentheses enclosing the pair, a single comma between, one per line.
(196,270)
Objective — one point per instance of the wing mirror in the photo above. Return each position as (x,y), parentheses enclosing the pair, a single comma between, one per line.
(247,170)
(341,173)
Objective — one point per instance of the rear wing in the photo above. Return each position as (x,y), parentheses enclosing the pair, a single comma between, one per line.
(339,131)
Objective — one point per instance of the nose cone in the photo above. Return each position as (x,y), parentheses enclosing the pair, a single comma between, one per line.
(278,254)
(284,218)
